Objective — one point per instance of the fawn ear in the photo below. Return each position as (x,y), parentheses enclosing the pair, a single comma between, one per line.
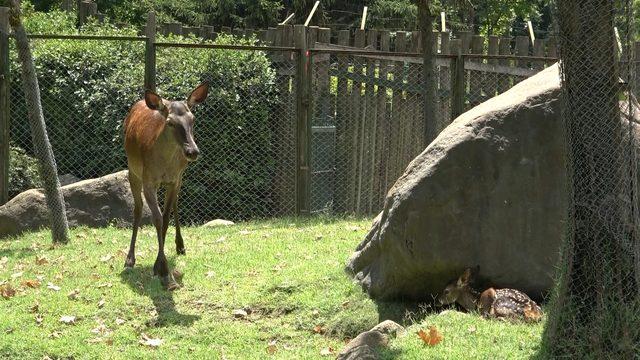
(153,100)
(198,95)
(465,277)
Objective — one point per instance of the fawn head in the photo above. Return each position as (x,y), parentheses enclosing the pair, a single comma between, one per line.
(457,288)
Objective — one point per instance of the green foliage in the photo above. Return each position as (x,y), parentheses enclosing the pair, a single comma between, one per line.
(23,172)
(87,88)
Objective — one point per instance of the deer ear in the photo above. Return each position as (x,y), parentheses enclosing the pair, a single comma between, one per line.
(198,95)
(153,100)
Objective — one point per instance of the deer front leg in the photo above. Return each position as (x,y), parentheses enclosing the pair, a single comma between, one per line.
(161,266)
(171,205)
(136,191)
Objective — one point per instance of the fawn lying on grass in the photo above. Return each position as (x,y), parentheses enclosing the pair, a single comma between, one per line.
(492,303)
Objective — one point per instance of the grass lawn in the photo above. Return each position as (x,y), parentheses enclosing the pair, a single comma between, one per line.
(285,275)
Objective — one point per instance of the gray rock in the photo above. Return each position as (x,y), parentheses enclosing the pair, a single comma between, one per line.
(488,191)
(219,222)
(95,203)
(67,179)
(368,344)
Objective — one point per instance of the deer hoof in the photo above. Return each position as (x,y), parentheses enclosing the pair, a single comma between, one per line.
(129,263)
(169,283)
(181,251)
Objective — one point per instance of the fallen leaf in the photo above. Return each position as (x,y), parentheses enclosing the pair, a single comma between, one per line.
(3,261)
(39,319)
(53,287)
(31,283)
(472,329)
(73,295)
(106,258)
(101,303)
(244,232)
(16,275)
(108,285)
(9,330)
(34,308)
(315,312)
(318,329)
(41,260)
(210,274)
(55,335)
(432,338)
(151,342)
(68,319)
(239,314)
(327,351)
(58,277)
(7,291)
(345,304)
(100,330)
(120,321)
(271,347)
(318,237)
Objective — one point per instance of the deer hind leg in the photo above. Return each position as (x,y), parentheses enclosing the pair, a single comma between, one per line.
(136,191)
(161,266)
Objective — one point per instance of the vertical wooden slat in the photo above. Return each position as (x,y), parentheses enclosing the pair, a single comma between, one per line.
(538,50)
(4,105)
(491,80)
(444,98)
(552,47)
(522,49)
(457,80)
(343,136)
(382,146)
(504,48)
(370,121)
(150,52)
(357,109)
(303,126)
(414,101)
(476,78)
(397,145)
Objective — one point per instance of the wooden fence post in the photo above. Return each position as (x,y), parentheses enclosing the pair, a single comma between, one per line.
(4,105)
(457,79)
(150,53)
(303,126)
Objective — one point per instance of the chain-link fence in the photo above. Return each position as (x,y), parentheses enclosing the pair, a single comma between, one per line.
(596,311)
(367,119)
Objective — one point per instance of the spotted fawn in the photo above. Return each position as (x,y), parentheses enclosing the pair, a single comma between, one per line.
(491,303)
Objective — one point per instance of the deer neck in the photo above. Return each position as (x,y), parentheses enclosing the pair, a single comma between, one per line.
(469,299)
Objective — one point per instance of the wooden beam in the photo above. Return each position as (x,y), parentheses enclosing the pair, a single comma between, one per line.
(364,18)
(313,11)
(287,19)
(150,52)
(4,105)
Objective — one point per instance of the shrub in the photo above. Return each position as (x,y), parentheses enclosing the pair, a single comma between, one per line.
(23,172)
(87,88)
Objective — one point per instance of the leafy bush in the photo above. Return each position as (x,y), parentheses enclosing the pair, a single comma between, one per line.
(87,88)
(23,172)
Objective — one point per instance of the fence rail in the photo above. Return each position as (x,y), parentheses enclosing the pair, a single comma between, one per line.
(337,124)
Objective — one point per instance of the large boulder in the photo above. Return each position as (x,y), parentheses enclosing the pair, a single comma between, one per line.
(489,191)
(95,203)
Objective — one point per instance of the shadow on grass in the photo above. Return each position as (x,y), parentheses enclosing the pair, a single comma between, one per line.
(404,312)
(141,280)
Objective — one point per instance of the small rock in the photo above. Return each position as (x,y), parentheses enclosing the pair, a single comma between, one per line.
(219,222)
(368,344)
(240,314)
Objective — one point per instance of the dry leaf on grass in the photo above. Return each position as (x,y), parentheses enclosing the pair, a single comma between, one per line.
(6,291)
(31,283)
(16,275)
(120,321)
(55,335)
(149,341)
(73,295)
(106,258)
(239,314)
(271,347)
(318,329)
(327,351)
(34,308)
(41,260)
(432,338)
(101,303)
(68,319)
(53,287)
(39,319)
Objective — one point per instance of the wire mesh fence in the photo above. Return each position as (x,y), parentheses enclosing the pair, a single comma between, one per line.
(367,118)
(596,310)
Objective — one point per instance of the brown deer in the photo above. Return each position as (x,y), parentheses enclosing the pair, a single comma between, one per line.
(492,303)
(159,144)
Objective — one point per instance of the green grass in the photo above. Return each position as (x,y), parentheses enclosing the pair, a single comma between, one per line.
(287,274)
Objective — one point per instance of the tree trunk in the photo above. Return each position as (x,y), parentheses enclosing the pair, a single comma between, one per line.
(44,153)
(428,71)
(596,309)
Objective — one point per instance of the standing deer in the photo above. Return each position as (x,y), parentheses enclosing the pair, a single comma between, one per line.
(492,303)
(159,144)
